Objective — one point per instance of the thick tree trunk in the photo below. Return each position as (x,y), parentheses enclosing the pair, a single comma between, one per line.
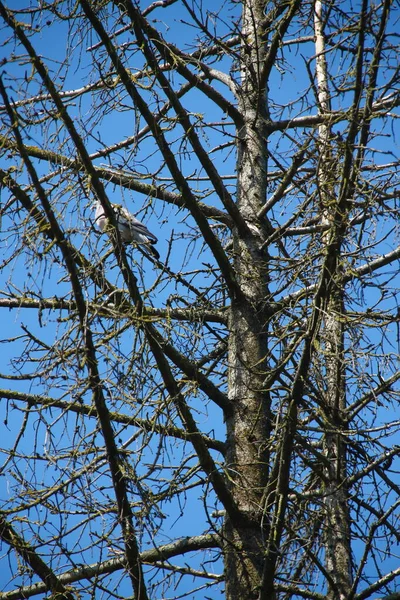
(248,427)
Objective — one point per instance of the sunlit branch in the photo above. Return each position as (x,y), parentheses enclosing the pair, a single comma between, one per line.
(180,60)
(205,458)
(378,585)
(294,590)
(180,180)
(80,408)
(177,548)
(354,274)
(50,580)
(182,114)
(119,178)
(108,309)
(120,488)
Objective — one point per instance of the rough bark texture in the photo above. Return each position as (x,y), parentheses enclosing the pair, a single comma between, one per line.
(248,427)
(337,529)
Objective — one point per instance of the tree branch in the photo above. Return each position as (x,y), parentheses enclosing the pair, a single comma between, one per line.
(107,309)
(169,156)
(118,178)
(51,582)
(117,473)
(78,407)
(177,548)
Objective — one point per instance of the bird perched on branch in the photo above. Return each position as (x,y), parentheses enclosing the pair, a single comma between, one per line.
(129,227)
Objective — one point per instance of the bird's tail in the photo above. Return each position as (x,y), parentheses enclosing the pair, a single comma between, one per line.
(152,251)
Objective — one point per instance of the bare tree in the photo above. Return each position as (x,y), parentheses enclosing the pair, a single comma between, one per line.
(222,420)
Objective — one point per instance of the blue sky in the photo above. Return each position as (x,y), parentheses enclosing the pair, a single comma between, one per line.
(56,433)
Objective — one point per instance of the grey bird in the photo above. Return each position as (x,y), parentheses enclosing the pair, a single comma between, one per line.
(129,227)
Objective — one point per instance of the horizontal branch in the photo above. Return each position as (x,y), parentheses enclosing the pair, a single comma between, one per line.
(35,400)
(118,178)
(294,590)
(177,548)
(335,116)
(357,273)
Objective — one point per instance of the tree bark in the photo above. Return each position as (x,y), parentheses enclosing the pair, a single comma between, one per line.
(248,426)
(336,508)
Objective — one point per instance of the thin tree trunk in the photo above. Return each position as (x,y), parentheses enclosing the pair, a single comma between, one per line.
(336,520)
(337,529)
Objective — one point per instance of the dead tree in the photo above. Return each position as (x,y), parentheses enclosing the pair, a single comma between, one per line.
(221,420)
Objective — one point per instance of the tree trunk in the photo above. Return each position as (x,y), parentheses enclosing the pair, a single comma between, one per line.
(336,509)
(248,427)
(337,521)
